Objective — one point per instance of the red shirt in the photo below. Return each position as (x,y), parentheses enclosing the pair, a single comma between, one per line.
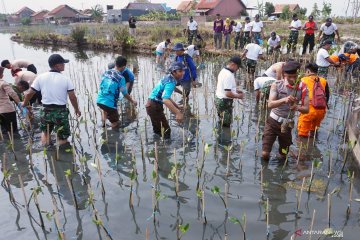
(311,25)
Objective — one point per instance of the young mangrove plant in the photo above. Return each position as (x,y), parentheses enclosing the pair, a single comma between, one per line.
(216,190)
(242,223)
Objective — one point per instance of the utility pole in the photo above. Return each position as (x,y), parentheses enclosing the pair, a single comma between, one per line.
(3,5)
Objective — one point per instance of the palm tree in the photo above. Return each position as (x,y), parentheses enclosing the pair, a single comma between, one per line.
(97,13)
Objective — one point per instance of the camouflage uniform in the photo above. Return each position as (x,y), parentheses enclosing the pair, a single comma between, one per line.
(245,39)
(250,65)
(327,37)
(237,39)
(224,109)
(292,41)
(57,120)
(191,35)
(323,72)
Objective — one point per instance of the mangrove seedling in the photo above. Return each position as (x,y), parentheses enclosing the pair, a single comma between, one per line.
(216,190)
(241,223)
(183,229)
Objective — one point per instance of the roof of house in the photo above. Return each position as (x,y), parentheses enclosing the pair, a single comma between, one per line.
(39,14)
(185,6)
(61,7)
(279,7)
(146,6)
(211,4)
(23,9)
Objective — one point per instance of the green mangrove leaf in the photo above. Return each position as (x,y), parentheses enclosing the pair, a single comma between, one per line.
(67,172)
(184,228)
(234,220)
(215,190)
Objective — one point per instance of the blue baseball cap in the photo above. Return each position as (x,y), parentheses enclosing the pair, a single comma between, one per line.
(178,47)
(174,66)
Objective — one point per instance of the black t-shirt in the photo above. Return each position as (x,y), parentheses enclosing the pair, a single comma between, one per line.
(132,23)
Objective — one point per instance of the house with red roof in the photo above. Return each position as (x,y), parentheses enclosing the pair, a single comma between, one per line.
(279,8)
(39,17)
(64,14)
(186,6)
(15,19)
(226,8)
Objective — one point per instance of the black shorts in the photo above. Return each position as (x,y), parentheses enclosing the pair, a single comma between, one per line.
(111,113)
(6,119)
(32,68)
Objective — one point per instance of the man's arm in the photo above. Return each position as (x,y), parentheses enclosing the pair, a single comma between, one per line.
(192,68)
(278,74)
(11,93)
(169,104)
(320,33)
(274,102)
(244,53)
(305,107)
(74,102)
(230,94)
(331,61)
(337,34)
(28,96)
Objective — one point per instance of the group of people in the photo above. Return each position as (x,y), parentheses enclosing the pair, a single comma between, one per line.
(280,88)
(253,32)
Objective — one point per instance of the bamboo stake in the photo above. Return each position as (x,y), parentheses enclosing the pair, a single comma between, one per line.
(267,218)
(38,209)
(311,176)
(203,207)
(23,191)
(348,210)
(72,191)
(329,209)
(312,223)
(299,199)
(298,158)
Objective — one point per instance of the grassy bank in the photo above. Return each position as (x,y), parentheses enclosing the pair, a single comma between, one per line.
(116,36)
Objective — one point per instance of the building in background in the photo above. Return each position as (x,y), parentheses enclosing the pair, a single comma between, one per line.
(226,8)
(279,8)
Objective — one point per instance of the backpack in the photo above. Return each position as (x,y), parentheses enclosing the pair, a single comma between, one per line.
(319,96)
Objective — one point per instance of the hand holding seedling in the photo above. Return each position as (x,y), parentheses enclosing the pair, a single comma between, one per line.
(134,102)
(290,100)
(78,113)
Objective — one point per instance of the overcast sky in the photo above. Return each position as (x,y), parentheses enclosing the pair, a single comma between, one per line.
(11,6)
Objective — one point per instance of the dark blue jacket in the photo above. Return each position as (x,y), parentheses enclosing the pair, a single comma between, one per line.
(190,68)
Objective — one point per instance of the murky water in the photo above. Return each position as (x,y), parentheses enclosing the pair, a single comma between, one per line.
(112,179)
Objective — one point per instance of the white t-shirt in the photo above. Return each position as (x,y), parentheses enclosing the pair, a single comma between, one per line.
(191,51)
(161,47)
(274,43)
(260,81)
(321,58)
(238,27)
(54,87)
(295,25)
(247,27)
(192,25)
(253,51)
(226,80)
(257,26)
(328,30)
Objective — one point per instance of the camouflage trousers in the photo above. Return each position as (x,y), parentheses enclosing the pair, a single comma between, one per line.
(56,119)
(323,72)
(237,40)
(327,37)
(224,109)
(191,35)
(292,41)
(245,39)
(250,65)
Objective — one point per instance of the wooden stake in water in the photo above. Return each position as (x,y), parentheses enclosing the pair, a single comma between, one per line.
(299,154)
(267,218)
(72,191)
(203,206)
(23,191)
(299,198)
(311,176)
(348,210)
(329,209)
(228,161)
(176,175)
(312,224)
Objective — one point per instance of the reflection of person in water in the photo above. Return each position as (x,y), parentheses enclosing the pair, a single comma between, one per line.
(80,187)
(166,163)
(276,192)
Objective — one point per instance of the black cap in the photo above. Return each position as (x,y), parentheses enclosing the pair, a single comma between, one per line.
(247,18)
(329,20)
(56,59)
(327,42)
(273,34)
(291,67)
(236,60)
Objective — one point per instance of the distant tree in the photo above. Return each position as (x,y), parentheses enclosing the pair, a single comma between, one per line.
(244,13)
(26,21)
(326,10)
(301,12)
(261,8)
(285,14)
(269,8)
(97,13)
(315,11)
